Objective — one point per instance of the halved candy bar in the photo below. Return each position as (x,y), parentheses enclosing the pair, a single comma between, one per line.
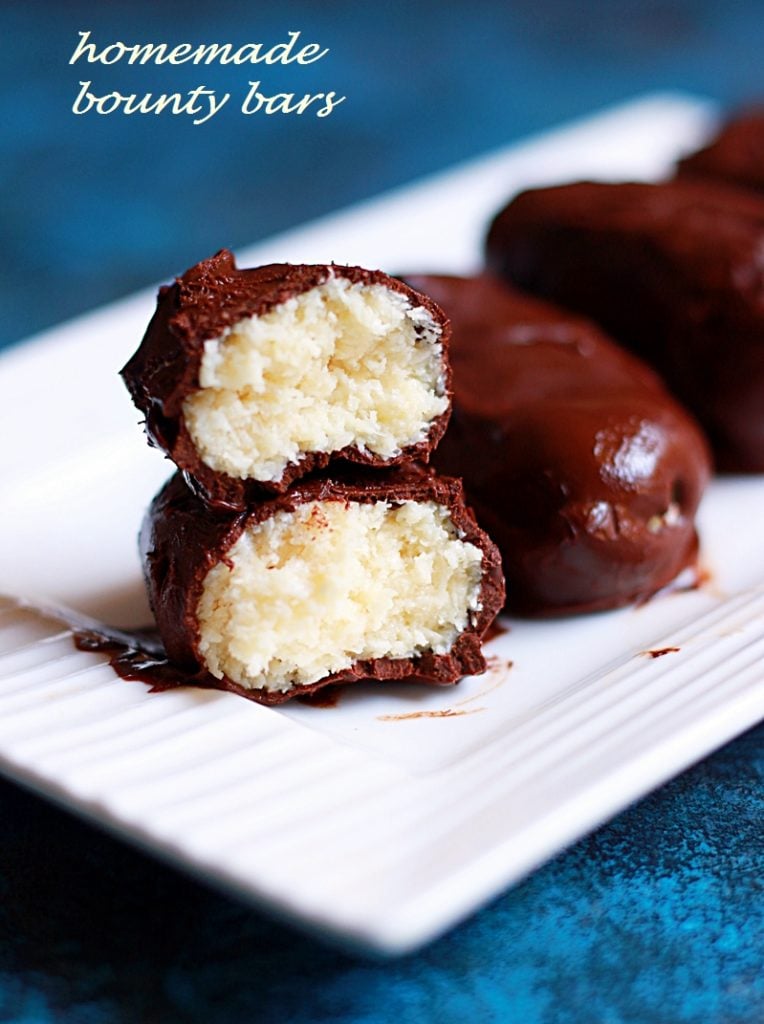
(380,575)
(674,271)
(251,378)
(581,466)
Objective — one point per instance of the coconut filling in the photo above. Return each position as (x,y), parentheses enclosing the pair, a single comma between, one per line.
(342,364)
(310,592)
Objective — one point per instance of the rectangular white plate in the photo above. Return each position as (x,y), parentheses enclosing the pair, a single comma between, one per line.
(381,821)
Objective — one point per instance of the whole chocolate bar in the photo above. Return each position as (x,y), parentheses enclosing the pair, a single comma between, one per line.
(735,155)
(380,575)
(673,271)
(577,461)
(249,379)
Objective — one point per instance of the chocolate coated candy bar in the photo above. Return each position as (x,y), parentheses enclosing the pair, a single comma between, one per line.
(583,469)
(736,155)
(249,379)
(380,575)
(674,271)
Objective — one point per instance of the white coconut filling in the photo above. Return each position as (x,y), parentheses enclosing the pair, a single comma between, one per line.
(310,592)
(342,364)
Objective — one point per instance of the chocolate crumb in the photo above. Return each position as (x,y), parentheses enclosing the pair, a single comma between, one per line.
(660,651)
(445,713)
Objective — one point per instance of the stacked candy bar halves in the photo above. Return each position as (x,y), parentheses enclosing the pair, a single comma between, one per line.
(304,541)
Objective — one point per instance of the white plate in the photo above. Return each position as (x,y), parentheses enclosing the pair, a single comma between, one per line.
(384,820)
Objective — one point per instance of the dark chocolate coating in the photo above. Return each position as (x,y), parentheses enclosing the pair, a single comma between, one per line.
(182,539)
(568,446)
(735,155)
(673,271)
(208,298)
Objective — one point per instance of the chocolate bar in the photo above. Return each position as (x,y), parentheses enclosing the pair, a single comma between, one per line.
(249,379)
(577,461)
(673,271)
(380,575)
(735,155)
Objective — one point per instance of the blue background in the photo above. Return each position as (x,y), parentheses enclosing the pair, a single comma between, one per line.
(658,917)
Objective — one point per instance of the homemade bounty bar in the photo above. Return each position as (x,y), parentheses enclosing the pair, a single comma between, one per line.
(735,155)
(249,379)
(382,575)
(581,466)
(674,271)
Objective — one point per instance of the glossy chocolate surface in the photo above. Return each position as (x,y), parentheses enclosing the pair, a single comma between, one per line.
(197,307)
(735,155)
(576,460)
(674,271)
(182,539)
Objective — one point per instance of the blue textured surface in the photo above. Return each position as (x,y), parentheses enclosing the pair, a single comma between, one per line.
(94,207)
(658,917)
